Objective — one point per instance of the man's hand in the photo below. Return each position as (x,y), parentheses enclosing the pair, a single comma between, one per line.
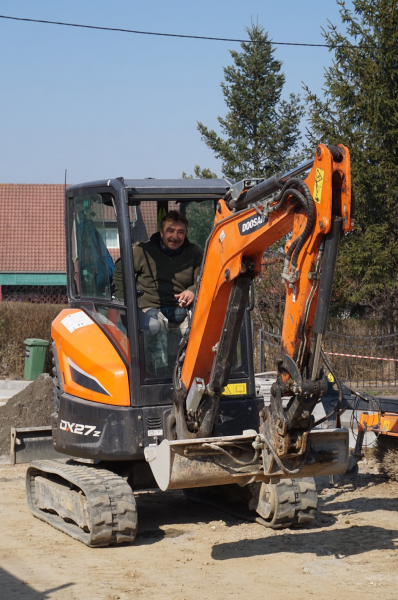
(185,298)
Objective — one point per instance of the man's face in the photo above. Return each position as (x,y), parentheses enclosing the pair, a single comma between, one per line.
(173,234)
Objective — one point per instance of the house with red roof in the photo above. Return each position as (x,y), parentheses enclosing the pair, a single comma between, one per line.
(32,249)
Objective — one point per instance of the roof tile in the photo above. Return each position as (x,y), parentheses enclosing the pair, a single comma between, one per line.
(32,230)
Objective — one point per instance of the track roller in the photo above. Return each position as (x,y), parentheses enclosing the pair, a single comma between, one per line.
(90,504)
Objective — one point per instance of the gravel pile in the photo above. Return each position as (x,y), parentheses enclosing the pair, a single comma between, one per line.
(30,408)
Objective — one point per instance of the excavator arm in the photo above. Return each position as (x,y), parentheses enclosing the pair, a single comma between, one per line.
(251,218)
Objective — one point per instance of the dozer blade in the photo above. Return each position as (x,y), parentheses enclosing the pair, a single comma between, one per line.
(204,462)
(32,443)
(92,505)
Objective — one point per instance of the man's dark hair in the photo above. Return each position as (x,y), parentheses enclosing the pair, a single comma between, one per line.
(175,217)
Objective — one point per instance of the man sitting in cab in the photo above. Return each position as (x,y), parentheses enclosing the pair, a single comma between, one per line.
(166,269)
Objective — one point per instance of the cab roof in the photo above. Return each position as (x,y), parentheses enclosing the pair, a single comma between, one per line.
(156,189)
(150,188)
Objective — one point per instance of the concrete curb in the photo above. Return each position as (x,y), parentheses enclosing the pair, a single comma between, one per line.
(11,387)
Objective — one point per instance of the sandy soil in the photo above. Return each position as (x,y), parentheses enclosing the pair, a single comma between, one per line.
(188,551)
(32,407)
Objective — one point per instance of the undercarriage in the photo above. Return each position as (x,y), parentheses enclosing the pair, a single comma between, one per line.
(97,507)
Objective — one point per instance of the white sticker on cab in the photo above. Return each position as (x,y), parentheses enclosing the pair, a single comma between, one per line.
(76,320)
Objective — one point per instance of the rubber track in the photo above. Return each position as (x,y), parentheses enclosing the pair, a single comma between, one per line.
(295,502)
(111,502)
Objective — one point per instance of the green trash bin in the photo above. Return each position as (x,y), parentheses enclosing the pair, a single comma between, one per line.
(35,357)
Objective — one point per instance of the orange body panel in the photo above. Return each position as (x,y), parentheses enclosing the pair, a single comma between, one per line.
(227,247)
(386,424)
(88,349)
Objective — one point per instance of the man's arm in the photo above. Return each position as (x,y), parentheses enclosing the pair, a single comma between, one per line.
(186,297)
(198,257)
(117,279)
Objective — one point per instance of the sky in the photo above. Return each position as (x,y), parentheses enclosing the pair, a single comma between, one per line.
(106,104)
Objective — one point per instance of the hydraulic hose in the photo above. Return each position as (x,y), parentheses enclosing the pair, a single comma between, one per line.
(267,187)
(280,463)
(299,190)
(235,460)
(298,196)
(178,366)
(332,240)
(339,387)
(310,218)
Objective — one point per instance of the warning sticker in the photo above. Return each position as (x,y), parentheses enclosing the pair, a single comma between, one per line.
(386,425)
(331,378)
(235,389)
(155,432)
(319,175)
(76,320)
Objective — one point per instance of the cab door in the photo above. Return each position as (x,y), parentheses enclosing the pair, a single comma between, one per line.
(98,223)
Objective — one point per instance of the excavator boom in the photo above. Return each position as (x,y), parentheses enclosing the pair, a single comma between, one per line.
(235,250)
(317,210)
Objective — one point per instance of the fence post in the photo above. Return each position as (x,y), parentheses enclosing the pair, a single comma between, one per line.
(260,352)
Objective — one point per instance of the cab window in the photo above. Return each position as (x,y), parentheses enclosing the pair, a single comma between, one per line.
(92,264)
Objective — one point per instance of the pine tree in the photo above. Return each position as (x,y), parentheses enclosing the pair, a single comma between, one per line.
(261,130)
(199,214)
(360,109)
(199,173)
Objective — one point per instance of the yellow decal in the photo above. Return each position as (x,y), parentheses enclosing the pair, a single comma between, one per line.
(386,425)
(331,378)
(235,389)
(319,175)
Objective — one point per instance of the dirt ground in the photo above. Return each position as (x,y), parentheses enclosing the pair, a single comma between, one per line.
(188,551)
(32,407)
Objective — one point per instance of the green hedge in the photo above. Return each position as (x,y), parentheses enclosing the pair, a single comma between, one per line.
(18,321)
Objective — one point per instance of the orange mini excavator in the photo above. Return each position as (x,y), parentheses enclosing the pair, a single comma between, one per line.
(123,424)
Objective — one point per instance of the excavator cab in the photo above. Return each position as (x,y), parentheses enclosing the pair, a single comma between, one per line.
(104,220)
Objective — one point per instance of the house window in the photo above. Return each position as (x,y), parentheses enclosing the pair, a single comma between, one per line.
(112,237)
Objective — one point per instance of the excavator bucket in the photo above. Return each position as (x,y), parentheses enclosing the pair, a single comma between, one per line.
(232,459)
(203,462)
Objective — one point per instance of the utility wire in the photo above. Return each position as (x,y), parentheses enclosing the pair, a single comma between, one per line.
(192,37)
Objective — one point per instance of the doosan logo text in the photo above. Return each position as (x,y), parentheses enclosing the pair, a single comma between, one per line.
(251,224)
